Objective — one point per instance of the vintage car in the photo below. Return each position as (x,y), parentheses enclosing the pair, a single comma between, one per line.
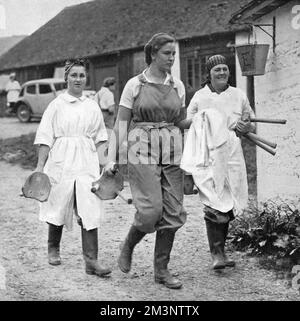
(36,95)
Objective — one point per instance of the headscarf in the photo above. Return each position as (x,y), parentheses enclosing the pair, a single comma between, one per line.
(71,63)
(214,61)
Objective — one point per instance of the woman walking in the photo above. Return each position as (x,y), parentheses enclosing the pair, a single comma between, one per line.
(218,169)
(68,136)
(155,102)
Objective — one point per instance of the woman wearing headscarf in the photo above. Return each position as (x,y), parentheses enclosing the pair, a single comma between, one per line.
(214,155)
(69,134)
(155,102)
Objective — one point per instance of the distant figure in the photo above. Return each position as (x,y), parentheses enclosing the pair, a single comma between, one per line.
(106,101)
(13,89)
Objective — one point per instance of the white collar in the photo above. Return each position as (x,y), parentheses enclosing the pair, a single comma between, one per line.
(71,99)
(166,81)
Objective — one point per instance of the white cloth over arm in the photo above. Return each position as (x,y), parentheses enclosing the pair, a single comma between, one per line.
(206,148)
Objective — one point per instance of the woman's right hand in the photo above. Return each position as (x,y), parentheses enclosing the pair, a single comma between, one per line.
(110,168)
(39,169)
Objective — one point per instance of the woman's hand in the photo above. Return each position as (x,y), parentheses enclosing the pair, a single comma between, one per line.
(39,169)
(243,126)
(110,168)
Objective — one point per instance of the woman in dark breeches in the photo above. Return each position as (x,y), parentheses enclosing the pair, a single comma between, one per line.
(153,102)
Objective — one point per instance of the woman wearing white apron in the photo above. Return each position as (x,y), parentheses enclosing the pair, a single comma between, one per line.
(71,130)
(219,169)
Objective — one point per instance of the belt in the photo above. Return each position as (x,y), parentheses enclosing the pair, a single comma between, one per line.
(73,136)
(153,125)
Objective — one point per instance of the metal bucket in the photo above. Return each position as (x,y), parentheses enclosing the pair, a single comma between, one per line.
(252,58)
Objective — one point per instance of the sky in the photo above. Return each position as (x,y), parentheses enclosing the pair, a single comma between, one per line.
(23,17)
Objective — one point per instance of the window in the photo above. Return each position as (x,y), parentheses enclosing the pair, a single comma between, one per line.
(195,71)
(31,89)
(60,86)
(45,89)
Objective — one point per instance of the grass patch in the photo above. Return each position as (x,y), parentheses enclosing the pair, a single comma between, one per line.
(19,150)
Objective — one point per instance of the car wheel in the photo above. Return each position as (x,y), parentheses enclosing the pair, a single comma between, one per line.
(24,113)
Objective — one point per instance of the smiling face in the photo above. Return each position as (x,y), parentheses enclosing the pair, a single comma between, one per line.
(219,75)
(76,80)
(164,57)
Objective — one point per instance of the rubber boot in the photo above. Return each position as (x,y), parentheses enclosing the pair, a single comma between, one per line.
(54,237)
(134,236)
(215,237)
(90,253)
(163,246)
(228,262)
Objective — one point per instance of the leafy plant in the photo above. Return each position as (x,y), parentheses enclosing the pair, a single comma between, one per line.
(274,230)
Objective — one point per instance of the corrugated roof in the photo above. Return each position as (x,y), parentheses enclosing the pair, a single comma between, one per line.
(105,26)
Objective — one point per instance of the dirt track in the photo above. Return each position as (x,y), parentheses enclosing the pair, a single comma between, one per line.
(27,276)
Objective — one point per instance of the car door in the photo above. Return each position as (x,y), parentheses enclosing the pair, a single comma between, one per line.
(46,95)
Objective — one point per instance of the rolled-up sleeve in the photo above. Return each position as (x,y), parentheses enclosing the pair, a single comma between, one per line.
(45,131)
(193,107)
(246,106)
(129,93)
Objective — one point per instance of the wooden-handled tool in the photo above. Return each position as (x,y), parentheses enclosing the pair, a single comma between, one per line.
(265,120)
(261,139)
(261,145)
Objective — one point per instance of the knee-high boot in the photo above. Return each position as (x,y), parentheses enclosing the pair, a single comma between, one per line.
(90,253)
(54,237)
(215,235)
(133,237)
(163,246)
(228,262)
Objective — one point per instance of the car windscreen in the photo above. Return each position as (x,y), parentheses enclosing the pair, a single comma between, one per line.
(31,89)
(21,94)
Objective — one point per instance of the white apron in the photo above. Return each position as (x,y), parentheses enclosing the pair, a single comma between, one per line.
(222,179)
(71,127)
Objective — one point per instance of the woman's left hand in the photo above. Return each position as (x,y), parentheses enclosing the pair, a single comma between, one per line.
(110,168)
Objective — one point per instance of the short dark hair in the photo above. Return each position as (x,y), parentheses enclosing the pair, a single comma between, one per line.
(73,62)
(155,43)
(109,81)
